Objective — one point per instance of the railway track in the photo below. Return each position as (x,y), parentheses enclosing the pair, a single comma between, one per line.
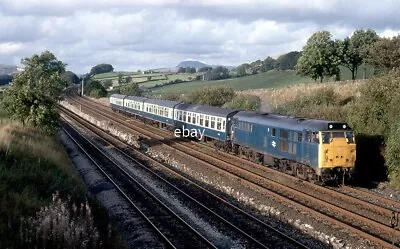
(252,225)
(163,221)
(372,220)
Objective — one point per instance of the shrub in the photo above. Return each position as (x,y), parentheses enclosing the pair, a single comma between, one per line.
(377,108)
(98,93)
(245,102)
(323,103)
(392,153)
(215,96)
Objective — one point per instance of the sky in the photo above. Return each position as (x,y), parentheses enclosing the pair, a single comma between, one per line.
(134,35)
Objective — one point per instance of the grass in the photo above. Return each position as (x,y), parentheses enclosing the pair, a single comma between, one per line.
(275,97)
(271,79)
(33,167)
(268,80)
(113,75)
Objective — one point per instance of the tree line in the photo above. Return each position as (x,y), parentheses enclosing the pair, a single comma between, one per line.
(284,62)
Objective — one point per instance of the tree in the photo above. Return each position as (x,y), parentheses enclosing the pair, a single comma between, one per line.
(131,89)
(268,64)
(70,78)
(204,69)
(121,79)
(215,96)
(288,61)
(354,50)
(107,84)
(190,70)
(256,66)
(182,70)
(33,96)
(319,57)
(385,53)
(94,89)
(241,70)
(128,79)
(101,68)
(217,73)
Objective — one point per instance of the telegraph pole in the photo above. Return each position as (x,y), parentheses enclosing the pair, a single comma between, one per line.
(83,80)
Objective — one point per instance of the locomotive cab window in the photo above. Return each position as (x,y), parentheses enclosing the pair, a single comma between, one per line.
(326,136)
(273,133)
(350,137)
(315,137)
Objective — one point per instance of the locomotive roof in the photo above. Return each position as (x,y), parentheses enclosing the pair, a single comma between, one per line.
(162,102)
(205,109)
(135,98)
(119,96)
(289,122)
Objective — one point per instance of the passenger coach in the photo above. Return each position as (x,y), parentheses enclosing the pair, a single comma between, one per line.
(213,120)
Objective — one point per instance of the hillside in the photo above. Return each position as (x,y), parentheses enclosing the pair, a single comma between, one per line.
(270,79)
(195,64)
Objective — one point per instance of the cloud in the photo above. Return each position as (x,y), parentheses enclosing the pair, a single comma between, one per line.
(135,35)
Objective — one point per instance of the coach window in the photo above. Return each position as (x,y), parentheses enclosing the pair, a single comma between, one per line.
(207,122)
(219,122)
(223,125)
(184,117)
(179,113)
(299,136)
(284,134)
(273,133)
(194,118)
(201,120)
(213,122)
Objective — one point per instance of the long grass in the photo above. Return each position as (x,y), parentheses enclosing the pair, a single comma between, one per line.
(34,166)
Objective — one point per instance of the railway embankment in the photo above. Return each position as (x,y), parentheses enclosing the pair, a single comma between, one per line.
(43,199)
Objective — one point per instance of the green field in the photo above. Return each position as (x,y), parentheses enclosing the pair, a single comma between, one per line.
(103,76)
(271,79)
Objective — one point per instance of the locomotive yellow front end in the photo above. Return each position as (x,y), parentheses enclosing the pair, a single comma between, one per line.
(337,154)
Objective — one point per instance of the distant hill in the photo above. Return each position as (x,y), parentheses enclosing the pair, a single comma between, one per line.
(8,69)
(195,64)
(198,64)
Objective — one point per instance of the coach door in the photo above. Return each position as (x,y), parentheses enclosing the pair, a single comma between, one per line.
(306,146)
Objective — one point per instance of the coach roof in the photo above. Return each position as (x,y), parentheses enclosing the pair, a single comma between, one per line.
(118,96)
(210,110)
(136,98)
(162,102)
(286,122)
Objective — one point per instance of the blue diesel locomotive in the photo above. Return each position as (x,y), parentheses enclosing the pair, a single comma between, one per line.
(311,149)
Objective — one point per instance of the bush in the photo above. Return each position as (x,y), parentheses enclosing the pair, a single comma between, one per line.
(323,103)
(215,96)
(98,93)
(245,102)
(377,108)
(392,153)
(95,89)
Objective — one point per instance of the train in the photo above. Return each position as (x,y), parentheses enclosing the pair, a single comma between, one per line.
(314,150)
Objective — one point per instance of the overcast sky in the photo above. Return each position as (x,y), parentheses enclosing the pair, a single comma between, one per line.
(134,35)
